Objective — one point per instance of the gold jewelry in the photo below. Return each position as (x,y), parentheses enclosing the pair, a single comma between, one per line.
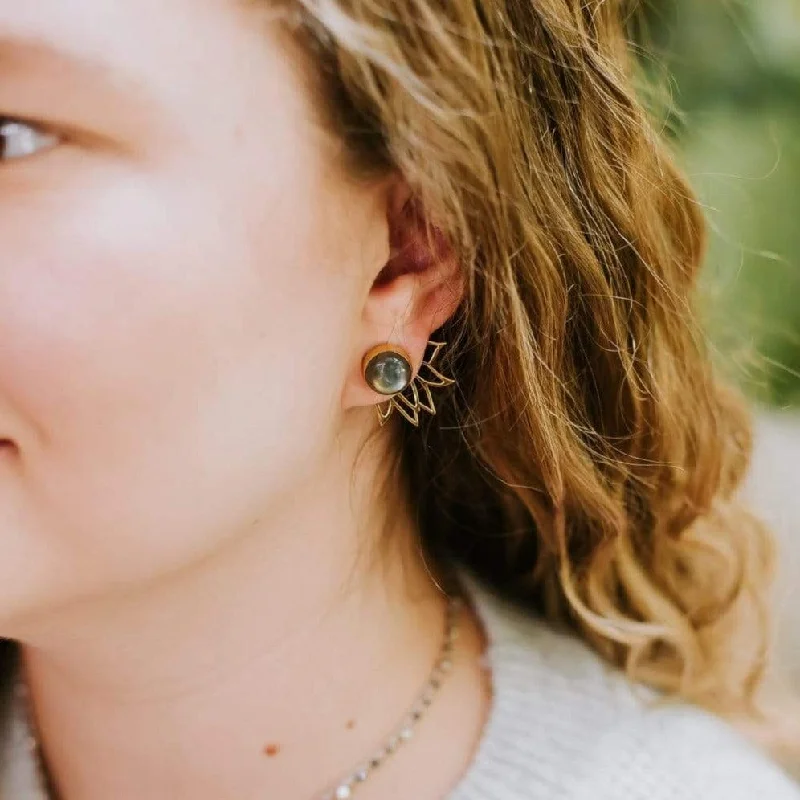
(409,394)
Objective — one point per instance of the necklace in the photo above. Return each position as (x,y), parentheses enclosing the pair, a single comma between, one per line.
(345,788)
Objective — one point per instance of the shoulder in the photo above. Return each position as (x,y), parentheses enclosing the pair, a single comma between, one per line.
(567,726)
(680,753)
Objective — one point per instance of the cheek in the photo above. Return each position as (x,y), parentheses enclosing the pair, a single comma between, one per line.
(165,370)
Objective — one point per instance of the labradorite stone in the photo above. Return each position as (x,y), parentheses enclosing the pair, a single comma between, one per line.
(388,373)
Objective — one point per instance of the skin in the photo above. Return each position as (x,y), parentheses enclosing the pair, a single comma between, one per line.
(186,292)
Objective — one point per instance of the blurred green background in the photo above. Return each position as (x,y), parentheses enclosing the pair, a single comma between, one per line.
(727,74)
(729,78)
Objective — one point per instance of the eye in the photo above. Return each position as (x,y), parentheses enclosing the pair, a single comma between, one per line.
(22,139)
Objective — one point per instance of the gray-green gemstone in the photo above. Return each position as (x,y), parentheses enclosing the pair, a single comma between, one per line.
(388,373)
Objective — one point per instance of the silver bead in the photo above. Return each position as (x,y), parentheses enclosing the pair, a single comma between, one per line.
(343,792)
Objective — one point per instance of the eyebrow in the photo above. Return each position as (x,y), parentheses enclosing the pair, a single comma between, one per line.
(29,55)
(18,50)
(86,79)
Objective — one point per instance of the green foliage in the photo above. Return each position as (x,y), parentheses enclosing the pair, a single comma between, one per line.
(731,69)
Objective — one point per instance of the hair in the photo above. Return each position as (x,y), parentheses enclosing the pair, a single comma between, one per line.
(588,462)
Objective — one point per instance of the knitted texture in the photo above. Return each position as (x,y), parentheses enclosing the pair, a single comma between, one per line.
(563,726)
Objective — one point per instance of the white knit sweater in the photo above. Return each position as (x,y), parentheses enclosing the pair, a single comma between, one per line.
(563,726)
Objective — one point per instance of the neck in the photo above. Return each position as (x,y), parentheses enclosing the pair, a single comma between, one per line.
(270,669)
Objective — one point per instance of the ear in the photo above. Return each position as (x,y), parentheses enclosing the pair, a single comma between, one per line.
(413,294)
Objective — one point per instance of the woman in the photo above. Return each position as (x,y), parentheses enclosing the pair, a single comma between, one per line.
(231,232)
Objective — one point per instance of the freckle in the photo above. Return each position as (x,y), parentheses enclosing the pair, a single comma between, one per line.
(350,724)
(272,750)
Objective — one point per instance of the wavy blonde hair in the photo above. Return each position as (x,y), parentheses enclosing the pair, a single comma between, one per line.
(589,461)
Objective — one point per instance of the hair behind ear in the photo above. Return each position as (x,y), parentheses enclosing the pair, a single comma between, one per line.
(590,458)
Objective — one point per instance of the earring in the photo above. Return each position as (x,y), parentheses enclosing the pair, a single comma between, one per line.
(387,369)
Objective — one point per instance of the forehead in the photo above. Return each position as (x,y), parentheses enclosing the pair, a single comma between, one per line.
(134,37)
(87,27)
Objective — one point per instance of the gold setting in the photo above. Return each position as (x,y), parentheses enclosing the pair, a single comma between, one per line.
(421,398)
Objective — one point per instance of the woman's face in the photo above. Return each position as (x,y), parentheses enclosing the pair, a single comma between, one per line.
(183,269)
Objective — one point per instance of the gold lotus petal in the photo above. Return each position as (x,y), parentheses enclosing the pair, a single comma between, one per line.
(412,416)
(438,379)
(427,403)
(385,412)
(402,400)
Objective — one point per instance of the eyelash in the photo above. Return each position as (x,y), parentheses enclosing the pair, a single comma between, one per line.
(34,139)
